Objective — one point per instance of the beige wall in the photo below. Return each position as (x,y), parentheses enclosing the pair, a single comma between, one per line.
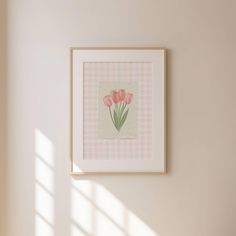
(197,195)
(2,116)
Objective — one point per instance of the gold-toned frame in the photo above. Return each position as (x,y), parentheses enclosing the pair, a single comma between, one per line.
(72,173)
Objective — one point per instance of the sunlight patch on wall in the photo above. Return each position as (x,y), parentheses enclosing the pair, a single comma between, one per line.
(137,227)
(44,185)
(44,175)
(110,205)
(44,204)
(42,228)
(44,148)
(81,213)
(97,212)
(77,231)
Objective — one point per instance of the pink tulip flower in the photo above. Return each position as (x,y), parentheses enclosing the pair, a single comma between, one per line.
(107,100)
(115,96)
(121,94)
(128,98)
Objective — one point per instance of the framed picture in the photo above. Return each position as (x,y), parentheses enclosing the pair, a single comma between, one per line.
(117,110)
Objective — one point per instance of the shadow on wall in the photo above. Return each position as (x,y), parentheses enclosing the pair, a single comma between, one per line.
(2,115)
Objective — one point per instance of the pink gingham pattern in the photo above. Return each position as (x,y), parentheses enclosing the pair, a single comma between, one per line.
(96,148)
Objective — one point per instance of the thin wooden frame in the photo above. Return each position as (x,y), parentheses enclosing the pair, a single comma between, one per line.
(72,170)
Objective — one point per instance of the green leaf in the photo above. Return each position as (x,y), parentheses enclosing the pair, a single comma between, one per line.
(111,116)
(116,120)
(123,119)
(122,109)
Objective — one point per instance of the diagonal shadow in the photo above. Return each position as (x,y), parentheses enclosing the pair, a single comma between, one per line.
(101,211)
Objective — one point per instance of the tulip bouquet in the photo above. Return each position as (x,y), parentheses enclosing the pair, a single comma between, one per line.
(117,103)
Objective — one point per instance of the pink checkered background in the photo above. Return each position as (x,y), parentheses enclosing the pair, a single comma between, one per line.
(96,148)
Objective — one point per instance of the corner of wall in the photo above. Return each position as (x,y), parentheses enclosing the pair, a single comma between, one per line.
(2,117)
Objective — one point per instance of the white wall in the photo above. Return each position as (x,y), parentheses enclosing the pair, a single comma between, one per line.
(197,195)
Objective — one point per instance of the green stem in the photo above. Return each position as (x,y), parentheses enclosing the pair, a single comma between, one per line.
(125,106)
(121,110)
(111,117)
